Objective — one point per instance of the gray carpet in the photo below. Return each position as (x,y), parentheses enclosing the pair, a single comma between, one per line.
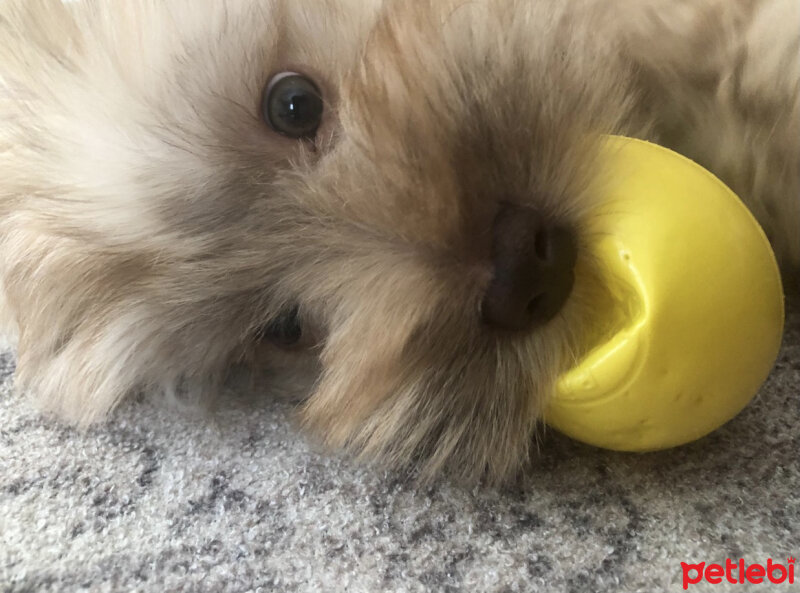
(160,502)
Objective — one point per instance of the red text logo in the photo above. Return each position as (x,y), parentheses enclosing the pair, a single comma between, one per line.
(738,572)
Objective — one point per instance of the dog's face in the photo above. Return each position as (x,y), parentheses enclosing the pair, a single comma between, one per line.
(403,189)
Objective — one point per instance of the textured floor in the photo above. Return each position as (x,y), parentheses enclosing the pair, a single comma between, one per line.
(158,502)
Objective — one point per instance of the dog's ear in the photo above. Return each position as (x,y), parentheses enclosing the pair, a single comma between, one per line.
(67,292)
(78,342)
(96,325)
(112,175)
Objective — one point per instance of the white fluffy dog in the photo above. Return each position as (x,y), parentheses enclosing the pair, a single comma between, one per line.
(382,200)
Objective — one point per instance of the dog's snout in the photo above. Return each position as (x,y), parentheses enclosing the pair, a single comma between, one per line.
(533,269)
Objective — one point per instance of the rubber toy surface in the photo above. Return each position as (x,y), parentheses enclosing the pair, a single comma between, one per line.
(698,313)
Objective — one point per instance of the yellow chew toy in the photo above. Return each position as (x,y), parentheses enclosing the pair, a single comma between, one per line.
(700,308)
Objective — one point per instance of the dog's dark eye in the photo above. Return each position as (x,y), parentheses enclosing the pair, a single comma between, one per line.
(285,330)
(292,105)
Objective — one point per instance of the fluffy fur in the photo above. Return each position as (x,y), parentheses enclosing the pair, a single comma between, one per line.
(151,223)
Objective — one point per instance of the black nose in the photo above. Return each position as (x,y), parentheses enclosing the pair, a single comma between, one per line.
(533,270)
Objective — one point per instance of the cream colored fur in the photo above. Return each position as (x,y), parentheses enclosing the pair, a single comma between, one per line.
(151,223)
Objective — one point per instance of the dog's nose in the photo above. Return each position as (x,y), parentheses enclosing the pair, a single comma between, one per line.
(533,266)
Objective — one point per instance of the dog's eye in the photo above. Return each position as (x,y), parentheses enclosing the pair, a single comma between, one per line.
(285,330)
(292,105)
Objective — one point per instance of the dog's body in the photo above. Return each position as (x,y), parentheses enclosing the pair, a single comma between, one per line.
(152,224)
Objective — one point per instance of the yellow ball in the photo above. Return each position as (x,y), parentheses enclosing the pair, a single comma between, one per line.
(698,304)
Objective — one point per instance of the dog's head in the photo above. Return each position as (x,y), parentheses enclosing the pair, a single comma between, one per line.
(408,183)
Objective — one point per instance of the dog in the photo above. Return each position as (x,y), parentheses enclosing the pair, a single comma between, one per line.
(382,202)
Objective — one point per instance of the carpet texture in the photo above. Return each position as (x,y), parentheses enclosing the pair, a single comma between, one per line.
(157,501)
